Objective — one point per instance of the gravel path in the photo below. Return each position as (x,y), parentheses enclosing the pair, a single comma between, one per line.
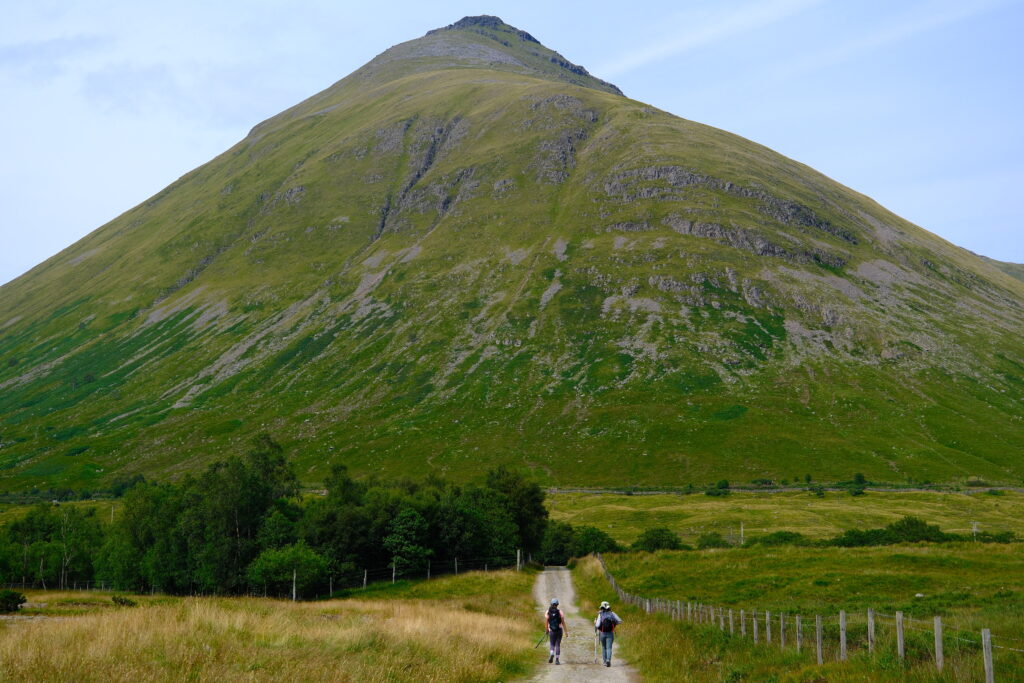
(578,663)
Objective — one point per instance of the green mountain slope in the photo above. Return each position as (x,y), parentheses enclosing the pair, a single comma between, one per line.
(1015,270)
(471,252)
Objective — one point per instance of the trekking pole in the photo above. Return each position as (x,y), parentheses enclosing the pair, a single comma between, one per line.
(540,641)
(595,646)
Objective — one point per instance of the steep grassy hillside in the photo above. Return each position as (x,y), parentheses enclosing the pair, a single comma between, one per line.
(471,252)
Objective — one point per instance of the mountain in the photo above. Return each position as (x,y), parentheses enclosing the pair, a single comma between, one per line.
(470,252)
(1015,270)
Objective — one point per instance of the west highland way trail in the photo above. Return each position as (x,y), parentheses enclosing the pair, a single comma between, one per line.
(578,663)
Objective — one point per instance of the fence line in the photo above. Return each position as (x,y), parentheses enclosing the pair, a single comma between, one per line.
(345,580)
(700,613)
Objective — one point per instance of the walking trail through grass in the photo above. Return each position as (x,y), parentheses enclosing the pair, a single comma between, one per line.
(578,661)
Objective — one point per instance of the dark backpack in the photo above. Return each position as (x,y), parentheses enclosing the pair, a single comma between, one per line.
(607,624)
(554,619)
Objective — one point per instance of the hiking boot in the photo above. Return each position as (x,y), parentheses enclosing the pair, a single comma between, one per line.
(550,658)
(556,661)
(608,663)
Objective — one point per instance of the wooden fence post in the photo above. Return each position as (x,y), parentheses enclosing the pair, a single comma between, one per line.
(938,643)
(871,630)
(900,650)
(842,635)
(364,579)
(743,623)
(721,619)
(732,630)
(817,637)
(986,647)
(767,627)
(689,611)
(753,620)
(799,634)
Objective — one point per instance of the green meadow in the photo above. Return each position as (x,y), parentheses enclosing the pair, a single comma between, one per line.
(624,517)
(970,586)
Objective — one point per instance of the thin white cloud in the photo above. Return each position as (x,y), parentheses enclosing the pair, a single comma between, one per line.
(712,29)
(924,17)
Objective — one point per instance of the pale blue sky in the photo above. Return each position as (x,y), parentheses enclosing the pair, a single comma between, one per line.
(918,104)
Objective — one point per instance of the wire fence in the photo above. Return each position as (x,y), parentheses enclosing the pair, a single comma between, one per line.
(836,637)
(346,579)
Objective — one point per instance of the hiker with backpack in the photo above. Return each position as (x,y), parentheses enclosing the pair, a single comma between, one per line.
(555,626)
(604,626)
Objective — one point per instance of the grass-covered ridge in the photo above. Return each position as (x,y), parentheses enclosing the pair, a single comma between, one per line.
(435,263)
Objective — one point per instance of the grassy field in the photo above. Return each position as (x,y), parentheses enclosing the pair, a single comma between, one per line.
(624,517)
(448,629)
(969,586)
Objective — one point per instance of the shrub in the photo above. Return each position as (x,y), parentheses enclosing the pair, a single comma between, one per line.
(779,538)
(658,538)
(11,601)
(716,492)
(556,547)
(122,601)
(711,539)
(818,490)
(905,530)
(588,539)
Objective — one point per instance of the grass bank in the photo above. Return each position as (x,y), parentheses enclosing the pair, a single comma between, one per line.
(624,517)
(970,587)
(450,629)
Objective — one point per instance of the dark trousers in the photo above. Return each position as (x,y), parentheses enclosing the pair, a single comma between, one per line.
(555,635)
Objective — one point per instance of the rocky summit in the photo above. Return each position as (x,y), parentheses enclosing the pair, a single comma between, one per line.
(472,252)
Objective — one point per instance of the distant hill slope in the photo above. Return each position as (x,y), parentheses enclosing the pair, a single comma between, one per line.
(471,252)
(1015,270)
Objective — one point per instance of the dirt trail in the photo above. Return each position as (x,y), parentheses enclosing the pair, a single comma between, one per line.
(578,664)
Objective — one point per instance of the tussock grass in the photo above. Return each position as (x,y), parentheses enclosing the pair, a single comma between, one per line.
(398,639)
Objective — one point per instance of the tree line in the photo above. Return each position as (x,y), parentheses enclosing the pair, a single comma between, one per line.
(243,526)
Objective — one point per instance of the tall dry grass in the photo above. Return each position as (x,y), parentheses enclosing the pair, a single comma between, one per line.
(230,639)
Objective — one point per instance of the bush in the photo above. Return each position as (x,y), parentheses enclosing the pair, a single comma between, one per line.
(712,539)
(122,601)
(779,538)
(556,547)
(855,490)
(716,492)
(11,601)
(818,490)
(658,538)
(588,539)
(906,530)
